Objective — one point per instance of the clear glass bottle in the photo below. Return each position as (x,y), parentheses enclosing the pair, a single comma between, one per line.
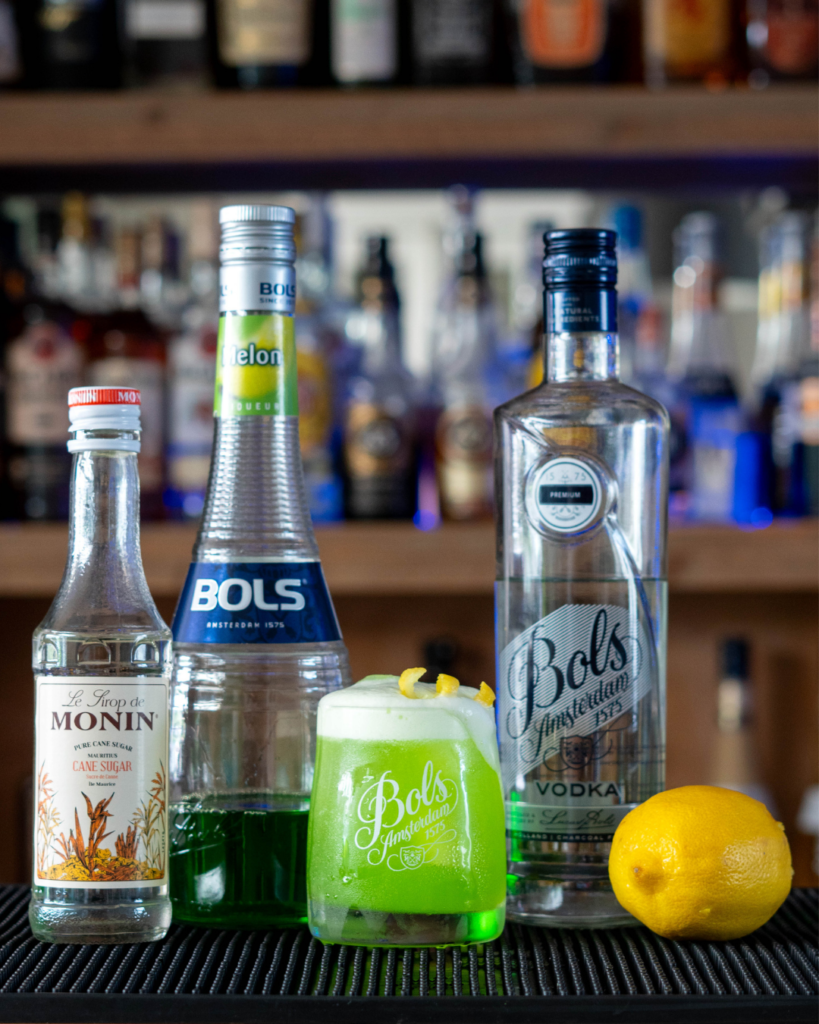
(257,643)
(466,382)
(102,663)
(705,410)
(581,483)
(379,433)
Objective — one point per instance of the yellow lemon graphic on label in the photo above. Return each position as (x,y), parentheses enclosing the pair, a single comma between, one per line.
(256,371)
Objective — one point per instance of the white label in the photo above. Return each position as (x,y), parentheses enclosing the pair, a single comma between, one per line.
(365,44)
(100,807)
(564,495)
(562,681)
(166,19)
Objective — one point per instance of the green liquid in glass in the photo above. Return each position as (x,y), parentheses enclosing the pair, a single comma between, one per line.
(420,860)
(238,860)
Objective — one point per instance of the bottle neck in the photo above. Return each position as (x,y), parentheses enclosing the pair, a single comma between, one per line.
(581,332)
(582,357)
(256,504)
(104,581)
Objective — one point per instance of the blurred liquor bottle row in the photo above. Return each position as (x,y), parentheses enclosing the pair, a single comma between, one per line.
(126,295)
(251,44)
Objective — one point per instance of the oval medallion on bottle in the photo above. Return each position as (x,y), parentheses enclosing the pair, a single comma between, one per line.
(565,495)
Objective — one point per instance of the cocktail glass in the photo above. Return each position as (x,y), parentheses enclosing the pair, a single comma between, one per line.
(406,842)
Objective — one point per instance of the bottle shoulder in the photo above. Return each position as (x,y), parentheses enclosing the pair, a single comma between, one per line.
(599,403)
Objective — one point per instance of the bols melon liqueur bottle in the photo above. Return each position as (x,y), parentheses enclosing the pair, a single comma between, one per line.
(257,642)
(582,490)
(102,660)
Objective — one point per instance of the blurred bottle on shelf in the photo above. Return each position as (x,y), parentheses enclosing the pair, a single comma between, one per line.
(126,349)
(76,44)
(12,68)
(455,42)
(688,41)
(705,408)
(782,342)
(163,292)
(528,302)
(379,416)
(165,43)
(364,41)
(783,40)
(736,762)
(634,283)
(564,40)
(319,438)
(259,44)
(192,371)
(42,362)
(465,375)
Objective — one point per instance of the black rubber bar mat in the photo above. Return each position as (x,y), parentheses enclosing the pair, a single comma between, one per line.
(529,974)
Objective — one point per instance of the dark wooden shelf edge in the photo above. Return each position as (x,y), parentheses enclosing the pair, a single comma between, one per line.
(362,559)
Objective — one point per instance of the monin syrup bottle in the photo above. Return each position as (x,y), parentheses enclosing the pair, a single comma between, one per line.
(581,491)
(102,664)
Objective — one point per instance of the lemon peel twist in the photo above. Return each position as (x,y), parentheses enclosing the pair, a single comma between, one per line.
(485,696)
(407,680)
(446,685)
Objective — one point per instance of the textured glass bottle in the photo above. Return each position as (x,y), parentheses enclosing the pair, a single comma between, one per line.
(102,661)
(581,489)
(256,639)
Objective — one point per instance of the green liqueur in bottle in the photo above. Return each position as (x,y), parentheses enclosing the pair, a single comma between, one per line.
(238,859)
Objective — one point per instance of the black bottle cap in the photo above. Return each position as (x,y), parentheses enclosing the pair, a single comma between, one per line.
(580,256)
(735,659)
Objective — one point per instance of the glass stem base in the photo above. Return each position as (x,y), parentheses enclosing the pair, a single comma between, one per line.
(348,927)
(110,924)
(562,903)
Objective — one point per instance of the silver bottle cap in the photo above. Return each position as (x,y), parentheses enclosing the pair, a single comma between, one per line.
(257,258)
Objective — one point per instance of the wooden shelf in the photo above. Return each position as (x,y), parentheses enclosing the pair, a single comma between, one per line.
(396,559)
(140,132)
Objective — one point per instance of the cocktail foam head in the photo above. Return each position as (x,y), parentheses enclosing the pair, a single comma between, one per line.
(375,709)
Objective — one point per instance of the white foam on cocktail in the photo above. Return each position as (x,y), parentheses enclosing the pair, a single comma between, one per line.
(375,709)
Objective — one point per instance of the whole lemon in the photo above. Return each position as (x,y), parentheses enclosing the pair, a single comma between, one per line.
(700,862)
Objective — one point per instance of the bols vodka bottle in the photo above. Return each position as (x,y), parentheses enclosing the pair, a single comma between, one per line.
(257,643)
(581,485)
(102,659)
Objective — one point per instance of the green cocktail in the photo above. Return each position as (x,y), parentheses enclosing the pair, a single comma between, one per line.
(406,839)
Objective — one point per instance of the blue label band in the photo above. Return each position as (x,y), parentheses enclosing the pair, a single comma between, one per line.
(581,310)
(255,603)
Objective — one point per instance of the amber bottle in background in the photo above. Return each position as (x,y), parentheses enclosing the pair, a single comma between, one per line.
(783,40)
(689,41)
(262,44)
(564,40)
